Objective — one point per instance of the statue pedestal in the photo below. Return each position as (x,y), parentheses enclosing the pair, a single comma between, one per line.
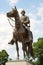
(19,62)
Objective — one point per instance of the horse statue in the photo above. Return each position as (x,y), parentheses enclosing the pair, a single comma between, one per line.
(20,34)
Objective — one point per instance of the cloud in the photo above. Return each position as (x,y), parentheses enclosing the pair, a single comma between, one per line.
(40,10)
(12,2)
(37,29)
(36,22)
(5,31)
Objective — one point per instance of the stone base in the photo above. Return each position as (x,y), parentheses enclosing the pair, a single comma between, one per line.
(19,62)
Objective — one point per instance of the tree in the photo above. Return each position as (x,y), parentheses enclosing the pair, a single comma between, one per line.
(38,50)
(3,56)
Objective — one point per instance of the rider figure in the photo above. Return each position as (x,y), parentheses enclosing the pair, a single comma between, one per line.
(25,21)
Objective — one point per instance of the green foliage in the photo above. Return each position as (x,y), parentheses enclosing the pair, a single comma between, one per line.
(38,50)
(3,56)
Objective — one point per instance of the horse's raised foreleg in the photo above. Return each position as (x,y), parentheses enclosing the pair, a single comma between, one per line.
(17,49)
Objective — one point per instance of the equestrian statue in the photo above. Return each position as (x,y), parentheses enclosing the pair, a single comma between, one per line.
(21,32)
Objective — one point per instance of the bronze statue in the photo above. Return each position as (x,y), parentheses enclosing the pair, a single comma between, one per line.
(21,34)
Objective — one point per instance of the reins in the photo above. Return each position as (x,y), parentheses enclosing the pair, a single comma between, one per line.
(10,22)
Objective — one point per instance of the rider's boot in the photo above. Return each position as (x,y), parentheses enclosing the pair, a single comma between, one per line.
(11,42)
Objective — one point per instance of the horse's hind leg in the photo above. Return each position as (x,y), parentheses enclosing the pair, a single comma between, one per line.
(23,48)
(31,49)
(31,52)
(17,49)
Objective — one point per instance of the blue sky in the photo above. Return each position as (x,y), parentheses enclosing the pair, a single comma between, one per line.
(33,8)
(26,4)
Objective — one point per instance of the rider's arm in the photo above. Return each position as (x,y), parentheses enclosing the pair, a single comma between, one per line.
(25,26)
(27,21)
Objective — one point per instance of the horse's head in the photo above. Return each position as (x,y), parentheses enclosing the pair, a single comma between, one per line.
(12,13)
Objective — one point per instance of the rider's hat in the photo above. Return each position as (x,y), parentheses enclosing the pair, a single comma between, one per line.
(23,11)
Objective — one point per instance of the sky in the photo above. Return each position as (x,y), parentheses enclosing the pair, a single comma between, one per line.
(34,10)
